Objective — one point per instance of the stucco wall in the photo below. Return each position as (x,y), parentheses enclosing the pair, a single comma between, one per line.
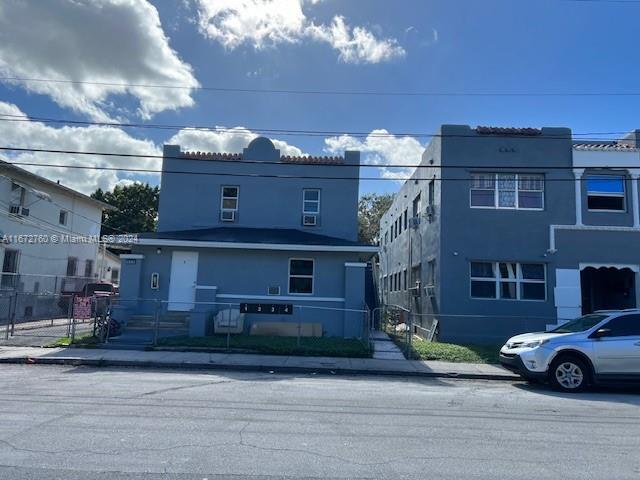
(193,201)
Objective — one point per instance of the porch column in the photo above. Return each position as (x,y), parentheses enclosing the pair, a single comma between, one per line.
(354,318)
(635,175)
(577,173)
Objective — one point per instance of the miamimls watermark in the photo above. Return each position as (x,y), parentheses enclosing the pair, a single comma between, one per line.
(55,239)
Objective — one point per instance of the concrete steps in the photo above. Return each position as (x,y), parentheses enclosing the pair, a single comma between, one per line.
(173,321)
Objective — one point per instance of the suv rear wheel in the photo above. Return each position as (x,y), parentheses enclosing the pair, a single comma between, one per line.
(569,373)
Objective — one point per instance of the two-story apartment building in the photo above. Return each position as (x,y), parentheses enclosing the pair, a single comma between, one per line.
(48,234)
(255,227)
(510,230)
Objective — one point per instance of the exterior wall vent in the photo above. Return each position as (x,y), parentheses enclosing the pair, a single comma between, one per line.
(309,220)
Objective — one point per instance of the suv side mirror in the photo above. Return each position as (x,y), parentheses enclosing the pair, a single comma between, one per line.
(600,333)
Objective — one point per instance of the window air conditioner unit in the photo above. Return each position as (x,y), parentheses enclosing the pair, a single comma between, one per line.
(415,291)
(430,210)
(273,291)
(24,212)
(228,216)
(414,222)
(309,220)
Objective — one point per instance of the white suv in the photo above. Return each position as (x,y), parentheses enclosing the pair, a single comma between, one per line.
(597,348)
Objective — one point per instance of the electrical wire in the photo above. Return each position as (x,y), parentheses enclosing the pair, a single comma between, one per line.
(377,93)
(586,136)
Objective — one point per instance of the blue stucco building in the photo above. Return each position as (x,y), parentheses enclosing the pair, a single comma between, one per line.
(255,227)
(509,230)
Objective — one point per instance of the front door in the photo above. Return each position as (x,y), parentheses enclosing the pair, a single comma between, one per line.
(182,283)
(619,353)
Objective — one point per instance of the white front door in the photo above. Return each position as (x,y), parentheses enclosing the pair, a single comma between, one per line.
(182,283)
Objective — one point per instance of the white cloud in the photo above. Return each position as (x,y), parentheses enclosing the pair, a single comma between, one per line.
(378,148)
(226,141)
(263,23)
(89,139)
(112,41)
(37,135)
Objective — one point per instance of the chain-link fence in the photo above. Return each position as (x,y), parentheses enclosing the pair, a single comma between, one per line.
(245,327)
(40,284)
(405,327)
(44,319)
(47,319)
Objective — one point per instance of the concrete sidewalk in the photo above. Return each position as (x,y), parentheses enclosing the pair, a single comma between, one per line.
(233,361)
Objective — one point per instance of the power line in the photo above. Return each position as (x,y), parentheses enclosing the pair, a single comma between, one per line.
(292,132)
(243,161)
(479,169)
(380,93)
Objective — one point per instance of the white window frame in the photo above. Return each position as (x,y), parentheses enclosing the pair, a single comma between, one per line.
(304,200)
(518,280)
(223,198)
(312,276)
(622,195)
(496,191)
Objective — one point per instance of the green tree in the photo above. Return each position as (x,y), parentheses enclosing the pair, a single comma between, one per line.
(136,208)
(371,207)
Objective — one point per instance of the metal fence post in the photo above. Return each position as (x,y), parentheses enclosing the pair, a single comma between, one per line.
(229,328)
(156,327)
(70,314)
(410,340)
(13,312)
(73,326)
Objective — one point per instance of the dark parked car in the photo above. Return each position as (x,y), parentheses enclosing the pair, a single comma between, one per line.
(98,289)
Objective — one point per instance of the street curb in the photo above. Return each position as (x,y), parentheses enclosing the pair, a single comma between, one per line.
(250,368)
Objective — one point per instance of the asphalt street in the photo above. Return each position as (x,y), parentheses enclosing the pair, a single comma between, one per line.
(85,423)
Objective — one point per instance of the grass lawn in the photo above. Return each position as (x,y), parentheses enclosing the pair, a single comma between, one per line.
(82,340)
(309,346)
(450,352)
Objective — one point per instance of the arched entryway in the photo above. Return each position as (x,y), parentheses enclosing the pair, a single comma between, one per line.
(607,288)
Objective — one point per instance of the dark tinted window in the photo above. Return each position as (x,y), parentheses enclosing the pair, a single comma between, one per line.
(580,324)
(625,326)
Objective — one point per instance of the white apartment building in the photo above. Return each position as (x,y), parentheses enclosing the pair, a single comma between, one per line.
(48,235)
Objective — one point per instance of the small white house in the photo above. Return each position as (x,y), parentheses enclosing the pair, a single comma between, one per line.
(108,267)
(49,234)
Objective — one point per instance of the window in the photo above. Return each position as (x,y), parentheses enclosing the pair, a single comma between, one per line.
(507,191)
(431,273)
(400,224)
(72,264)
(311,201)
(605,192)
(508,280)
(229,204)
(406,283)
(301,276)
(62,218)
(386,237)
(406,214)
(88,268)
(115,275)
(417,205)
(625,326)
(10,267)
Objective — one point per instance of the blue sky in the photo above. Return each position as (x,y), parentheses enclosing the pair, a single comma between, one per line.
(461,46)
